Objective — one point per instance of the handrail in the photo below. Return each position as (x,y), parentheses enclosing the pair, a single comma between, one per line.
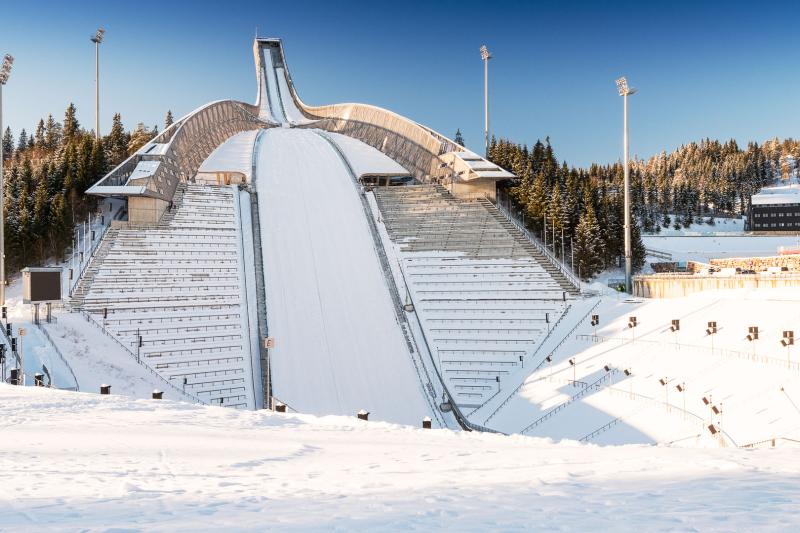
(601,429)
(659,254)
(577,324)
(561,266)
(578,395)
(638,396)
(60,355)
(88,260)
(765,441)
(93,321)
(722,352)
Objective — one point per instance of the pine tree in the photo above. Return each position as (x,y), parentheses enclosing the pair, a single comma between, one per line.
(168,120)
(71,125)
(39,136)
(459,139)
(117,142)
(588,245)
(8,144)
(52,134)
(22,144)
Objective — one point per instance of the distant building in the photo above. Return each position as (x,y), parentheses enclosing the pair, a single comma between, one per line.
(775,209)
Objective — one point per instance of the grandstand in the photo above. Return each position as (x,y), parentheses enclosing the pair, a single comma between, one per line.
(486,297)
(173,293)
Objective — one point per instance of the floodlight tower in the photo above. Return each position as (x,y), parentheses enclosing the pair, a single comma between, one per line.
(97,38)
(624,92)
(5,72)
(486,56)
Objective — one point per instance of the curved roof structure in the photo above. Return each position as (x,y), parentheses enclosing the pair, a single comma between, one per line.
(176,154)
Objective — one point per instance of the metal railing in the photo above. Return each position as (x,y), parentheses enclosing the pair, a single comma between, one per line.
(87,260)
(595,385)
(715,351)
(562,267)
(60,356)
(601,429)
(771,442)
(658,254)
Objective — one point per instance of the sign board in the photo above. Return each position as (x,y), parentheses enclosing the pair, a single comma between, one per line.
(40,285)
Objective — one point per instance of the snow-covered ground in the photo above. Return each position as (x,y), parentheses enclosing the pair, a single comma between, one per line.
(754,385)
(704,247)
(78,462)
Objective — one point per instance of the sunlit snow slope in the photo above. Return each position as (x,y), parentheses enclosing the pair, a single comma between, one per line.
(339,347)
(80,462)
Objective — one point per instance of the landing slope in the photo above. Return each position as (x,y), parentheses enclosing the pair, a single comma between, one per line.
(339,348)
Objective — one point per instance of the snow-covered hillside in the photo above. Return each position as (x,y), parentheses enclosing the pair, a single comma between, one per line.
(73,461)
(613,393)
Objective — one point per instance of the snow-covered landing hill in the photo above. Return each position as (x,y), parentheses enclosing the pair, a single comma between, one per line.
(74,461)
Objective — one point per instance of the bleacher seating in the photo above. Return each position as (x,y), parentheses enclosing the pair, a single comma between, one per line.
(485,297)
(177,284)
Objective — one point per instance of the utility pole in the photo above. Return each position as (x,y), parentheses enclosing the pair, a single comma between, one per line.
(97,39)
(486,56)
(624,92)
(5,71)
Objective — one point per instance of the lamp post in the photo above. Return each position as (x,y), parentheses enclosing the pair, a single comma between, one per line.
(624,92)
(5,71)
(97,38)
(486,56)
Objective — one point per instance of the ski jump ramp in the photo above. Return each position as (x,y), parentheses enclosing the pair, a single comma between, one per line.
(337,330)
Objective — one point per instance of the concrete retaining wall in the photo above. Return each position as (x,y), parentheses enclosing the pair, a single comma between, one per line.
(674,286)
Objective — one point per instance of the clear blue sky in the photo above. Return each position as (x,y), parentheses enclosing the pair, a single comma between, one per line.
(703,69)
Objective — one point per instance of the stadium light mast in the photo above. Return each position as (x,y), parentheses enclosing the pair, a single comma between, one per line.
(486,56)
(624,92)
(5,72)
(97,38)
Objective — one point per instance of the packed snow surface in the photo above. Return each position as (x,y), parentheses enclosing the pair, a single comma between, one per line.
(338,345)
(81,462)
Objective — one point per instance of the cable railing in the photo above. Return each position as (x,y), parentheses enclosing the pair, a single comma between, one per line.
(561,266)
